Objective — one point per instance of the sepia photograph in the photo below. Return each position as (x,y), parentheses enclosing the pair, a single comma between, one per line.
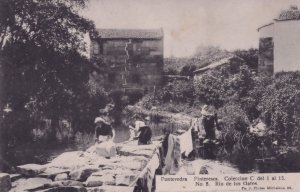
(123,95)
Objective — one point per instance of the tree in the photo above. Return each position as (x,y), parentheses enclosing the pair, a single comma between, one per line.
(45,74)
(280,104)
(249,56)
(188,70)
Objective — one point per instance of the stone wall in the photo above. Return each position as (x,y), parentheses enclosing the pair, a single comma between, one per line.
(266,56)
(131,63)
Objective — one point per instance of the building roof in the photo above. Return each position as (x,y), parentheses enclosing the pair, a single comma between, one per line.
(130,33)
(266,25)
(217,63)
(293,13)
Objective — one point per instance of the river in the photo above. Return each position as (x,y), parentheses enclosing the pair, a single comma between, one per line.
(43,153)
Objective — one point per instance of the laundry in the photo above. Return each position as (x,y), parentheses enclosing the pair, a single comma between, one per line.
(173,158)
(186,142)
(152,166)
(106,149)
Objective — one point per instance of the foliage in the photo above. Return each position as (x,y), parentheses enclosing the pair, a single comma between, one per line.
(176,91)
(45,75)
(249,56)
(171,71)
(211,87)
(188,70)
(280,104)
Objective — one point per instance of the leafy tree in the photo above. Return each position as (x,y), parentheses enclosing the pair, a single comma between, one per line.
(45,74)
(212,87)
(249,56)
(188,70)
(280,104)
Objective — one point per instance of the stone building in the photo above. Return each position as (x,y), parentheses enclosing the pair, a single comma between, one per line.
(132,58)
(279,43)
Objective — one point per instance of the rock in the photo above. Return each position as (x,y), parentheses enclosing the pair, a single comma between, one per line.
(93,181)
(30,170)
(5,182)
(66,183)
(65,189)
(69,160)
(14,177)
(116,171)
(82,174)
(109,188)
(61,177)
(139,150)
(51,172)
(29,184)
(96,180)
(125,179)
(133,162)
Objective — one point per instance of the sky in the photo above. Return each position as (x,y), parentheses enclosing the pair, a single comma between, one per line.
(187,24)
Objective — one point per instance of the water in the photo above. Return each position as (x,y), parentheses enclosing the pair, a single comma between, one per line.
(42,153)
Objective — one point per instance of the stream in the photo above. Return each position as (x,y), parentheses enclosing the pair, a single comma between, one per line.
(41,154)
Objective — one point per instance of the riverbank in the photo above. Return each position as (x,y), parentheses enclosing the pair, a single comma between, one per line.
(89,171)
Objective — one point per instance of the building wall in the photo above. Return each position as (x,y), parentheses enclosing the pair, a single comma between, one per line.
(287,46)
(279,47)
(131,64)
(266,50)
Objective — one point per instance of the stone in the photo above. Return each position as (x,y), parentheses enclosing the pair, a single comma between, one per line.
(52,172)
(14,177)
(96,180)
(30,170)
(93,181)
(65,189)
(125,179)
(116,171)
(5,182)
(83,173)
(29,184)
(64,183)
(69,160)
(139,150)
(109,188)
(61,177)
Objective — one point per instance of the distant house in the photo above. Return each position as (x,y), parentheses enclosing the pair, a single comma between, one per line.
(279,43)
(133,57)
(232,64)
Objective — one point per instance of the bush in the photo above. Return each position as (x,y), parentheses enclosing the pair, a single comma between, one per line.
(280,104)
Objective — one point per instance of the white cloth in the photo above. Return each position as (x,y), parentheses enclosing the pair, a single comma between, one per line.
(106,149)
(131,134)
(173,157)
(99,119)
(152,166)
(139,124)
(186,142)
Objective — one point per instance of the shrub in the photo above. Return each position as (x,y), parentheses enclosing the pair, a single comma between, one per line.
(280,103)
